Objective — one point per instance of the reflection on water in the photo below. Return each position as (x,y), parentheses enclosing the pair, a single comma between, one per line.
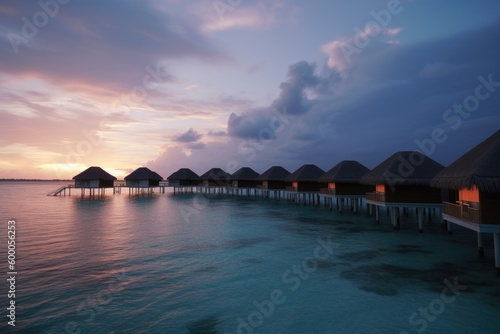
(132,264)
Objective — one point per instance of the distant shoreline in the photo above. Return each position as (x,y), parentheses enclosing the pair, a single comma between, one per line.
(31,180)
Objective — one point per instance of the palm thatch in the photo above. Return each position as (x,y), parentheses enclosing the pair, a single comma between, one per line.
(184,174)
(306,173)
(275,173)
(94,173)
(244,174)
(215,174)
(347,171)
(409,168)
(480,167)
(143,173)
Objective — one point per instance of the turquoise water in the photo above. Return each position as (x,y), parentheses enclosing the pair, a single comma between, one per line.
(191,264)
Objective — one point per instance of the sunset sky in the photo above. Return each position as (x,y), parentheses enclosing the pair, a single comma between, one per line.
(231,83)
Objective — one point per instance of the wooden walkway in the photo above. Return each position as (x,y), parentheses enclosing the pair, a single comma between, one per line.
(62,190)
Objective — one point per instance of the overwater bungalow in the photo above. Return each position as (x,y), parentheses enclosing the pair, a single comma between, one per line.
(305,182)
(245,177)
(142,178)
(344,183)
(184,177)
(94,178)
(215,177)
(306,178)
(402,182)
(273,180)
(215,181)
(476,178)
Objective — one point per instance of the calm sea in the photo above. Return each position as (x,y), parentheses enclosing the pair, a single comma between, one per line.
(188,264)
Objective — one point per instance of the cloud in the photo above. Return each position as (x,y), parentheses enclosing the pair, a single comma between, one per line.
(222,15)
(189,136)
(196,146)
(250,124)
(86,41)
(341,52)
(293,100)
(216,133)
(293,96)
(383,106)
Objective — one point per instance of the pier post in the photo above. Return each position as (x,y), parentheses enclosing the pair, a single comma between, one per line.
(376,214)
(420,215)
(393,217)
(398,218)
(355,205)
(497,252)
(480,248)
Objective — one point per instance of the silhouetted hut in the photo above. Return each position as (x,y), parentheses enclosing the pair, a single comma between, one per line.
(344,182)
(274,178)
(403,181)
(215,177)
(94,178)
(143,177)
(305,184)
(184,177)
(476,178)
(306,179)
(245,177)
(273,181)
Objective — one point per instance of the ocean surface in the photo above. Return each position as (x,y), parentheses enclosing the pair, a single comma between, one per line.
(195,264)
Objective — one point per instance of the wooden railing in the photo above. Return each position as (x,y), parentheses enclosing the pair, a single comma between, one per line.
(463,212)
(375,196)
(56,192)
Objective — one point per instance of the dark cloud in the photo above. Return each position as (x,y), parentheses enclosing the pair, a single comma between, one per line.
(293,100)
(189,136)
(293,97)
(251,124)
(392,99)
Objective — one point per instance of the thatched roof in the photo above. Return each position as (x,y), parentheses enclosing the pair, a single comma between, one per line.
(184,174)
(144,173)
(347,171)
(215,174)
(94,173)
(275,173)
(480,167)
(306,173)
(244,174)
(409,168)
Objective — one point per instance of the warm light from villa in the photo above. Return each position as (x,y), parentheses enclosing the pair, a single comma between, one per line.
(469,195)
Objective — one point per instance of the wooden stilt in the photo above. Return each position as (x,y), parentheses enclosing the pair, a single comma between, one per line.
(496,238)
(420,216)
(480,248)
